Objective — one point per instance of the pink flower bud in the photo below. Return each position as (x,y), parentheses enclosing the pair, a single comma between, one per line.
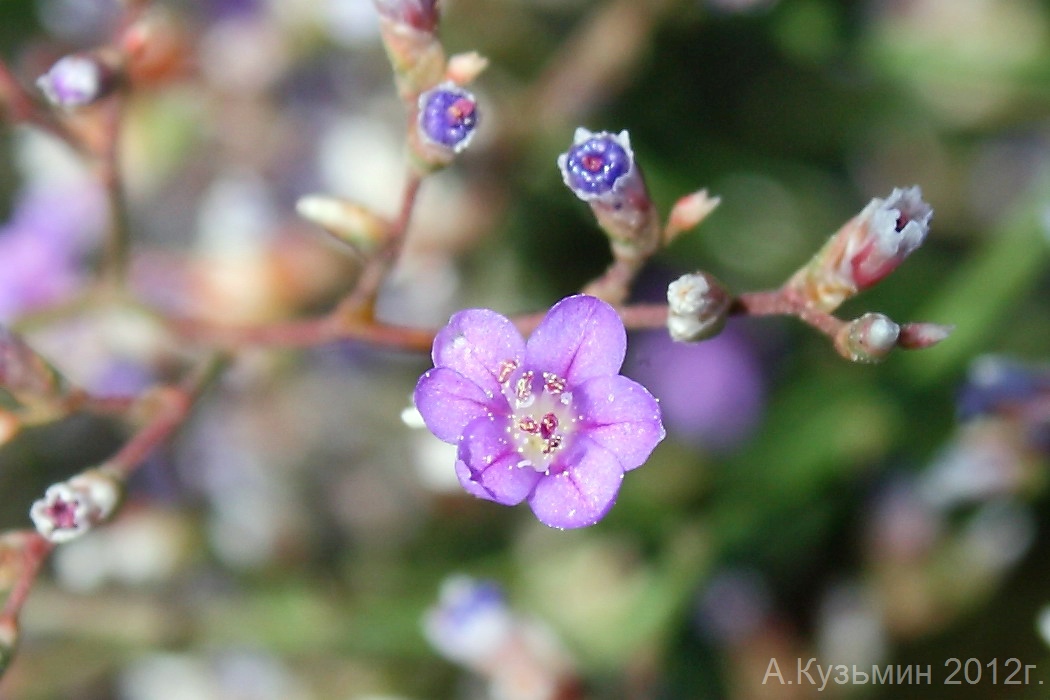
(688,212)
(916,336)
(865,250)
(419,15)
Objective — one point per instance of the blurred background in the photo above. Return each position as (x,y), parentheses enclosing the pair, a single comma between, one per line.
(289,543)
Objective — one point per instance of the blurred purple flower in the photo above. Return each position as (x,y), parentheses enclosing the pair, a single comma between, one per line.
(711,393)
(41,245)
(1001,384)
(549,420)
(76,80)
(470,622)
(448,116)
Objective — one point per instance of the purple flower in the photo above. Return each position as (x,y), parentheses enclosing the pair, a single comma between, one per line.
(448,116)
(597,164)
(549,420)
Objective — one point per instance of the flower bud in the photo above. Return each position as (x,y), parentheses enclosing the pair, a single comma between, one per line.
(409,31)
(688,212)
(869,338)
(24,373)
(78,80)
(8,641)
(418,15)
(464,68)
(347,222)
(445,124)
(71,508)
(600,169)
(865,250)
(916,336)
(697,307)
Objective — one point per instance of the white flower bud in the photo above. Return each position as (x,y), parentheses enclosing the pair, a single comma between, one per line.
(697,307)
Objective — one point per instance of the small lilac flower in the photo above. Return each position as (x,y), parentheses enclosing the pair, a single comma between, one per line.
(448,117)
(76,80)
(597,163)
(71,508)
(549,420)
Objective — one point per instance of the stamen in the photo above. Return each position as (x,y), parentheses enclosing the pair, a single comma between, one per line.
(523,390)
(506,368)
(553,383)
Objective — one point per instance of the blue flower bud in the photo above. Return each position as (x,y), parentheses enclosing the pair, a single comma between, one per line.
(597,164)
(448,117)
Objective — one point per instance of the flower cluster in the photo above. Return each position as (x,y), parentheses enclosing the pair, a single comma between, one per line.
(548,421)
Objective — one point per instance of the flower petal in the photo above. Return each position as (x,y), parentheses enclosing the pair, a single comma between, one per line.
(488,464)
(580,337)
(449,402)
(476,343)
(581,494)
(622,416)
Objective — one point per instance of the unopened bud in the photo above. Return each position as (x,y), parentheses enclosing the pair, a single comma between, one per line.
(464,68)
(865,250)
(409,31)
(349,223)
(869,338)
(688,212)
(10,425)
(446,121)
(697,306)
(23,372)
(71,508)
(916,336)
(8,641)
(78,80)
(600,169)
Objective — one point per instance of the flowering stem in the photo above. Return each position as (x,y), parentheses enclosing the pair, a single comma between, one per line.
(615,284)
(362,298)
(177,403)
(116,260)
(35,548)
(309,333)
(778,303)
(18,105)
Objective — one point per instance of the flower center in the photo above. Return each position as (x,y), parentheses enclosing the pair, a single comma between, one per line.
(592,163)
(461,112)
(542,416)
(63,514)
